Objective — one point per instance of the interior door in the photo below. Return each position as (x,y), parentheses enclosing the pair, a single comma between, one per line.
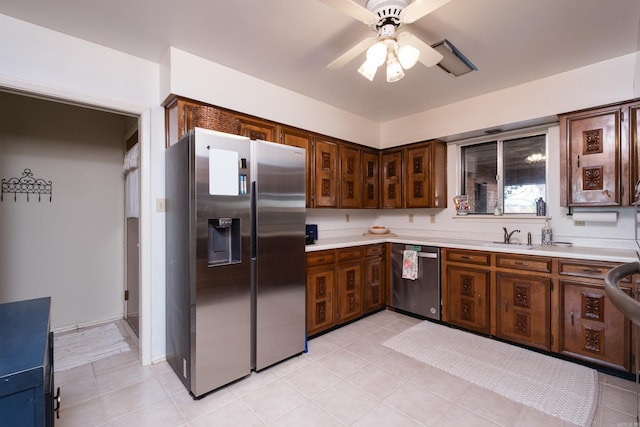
(132,230)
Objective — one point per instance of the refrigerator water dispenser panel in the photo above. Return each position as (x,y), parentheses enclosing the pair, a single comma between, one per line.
(224,241)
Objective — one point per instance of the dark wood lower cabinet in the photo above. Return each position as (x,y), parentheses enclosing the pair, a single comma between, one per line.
(523,312)
(468,296)
(349,290)
(374,289)
(592,328)
(343,285)
(321,300)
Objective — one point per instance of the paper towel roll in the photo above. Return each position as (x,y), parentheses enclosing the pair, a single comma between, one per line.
(595,216)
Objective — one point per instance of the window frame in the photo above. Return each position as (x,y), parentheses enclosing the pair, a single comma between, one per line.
(500,138)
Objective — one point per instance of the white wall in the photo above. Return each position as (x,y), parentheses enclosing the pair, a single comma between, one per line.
(191,76)
(71,248)
(53,64)
(597,84)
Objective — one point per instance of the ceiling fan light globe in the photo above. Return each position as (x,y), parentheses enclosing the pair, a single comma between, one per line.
(408,56)
(368,70)
(394,70)
(377,53)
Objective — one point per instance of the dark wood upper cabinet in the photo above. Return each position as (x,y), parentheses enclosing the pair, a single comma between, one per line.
(257,129)
(325,187)
(302,139)
(371,179)
(350,177)
(340,174)
(415,176)
(391,180)
(599,155)
(426,175)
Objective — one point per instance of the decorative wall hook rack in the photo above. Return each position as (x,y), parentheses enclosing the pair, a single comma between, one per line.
(26,184)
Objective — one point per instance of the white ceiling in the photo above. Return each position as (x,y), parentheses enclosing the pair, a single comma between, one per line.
(290,42)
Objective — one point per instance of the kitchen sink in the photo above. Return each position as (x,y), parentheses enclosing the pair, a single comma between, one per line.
(508,245)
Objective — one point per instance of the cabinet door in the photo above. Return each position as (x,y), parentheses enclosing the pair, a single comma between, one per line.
(349,291)
(523,309)
(374,284)
(258,129)
(469,297)
(321,302)
(417,177)
(391,179)
(634,142)
(593,150)
(370,166)
(350,177)
(301,139)
(325,167)
(592,328)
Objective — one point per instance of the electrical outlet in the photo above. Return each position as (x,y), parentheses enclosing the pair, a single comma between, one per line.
(432,218)
(578,223)
(161,205)
(411,218)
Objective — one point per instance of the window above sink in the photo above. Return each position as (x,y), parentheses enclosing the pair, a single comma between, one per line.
(508,173)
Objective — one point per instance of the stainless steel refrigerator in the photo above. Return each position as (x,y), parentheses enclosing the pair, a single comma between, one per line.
(235,236)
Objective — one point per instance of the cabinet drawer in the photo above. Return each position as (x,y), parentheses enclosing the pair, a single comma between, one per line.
(591,269)
(321,258)
(469,257)
(348,254)
(374,250)
(524,262)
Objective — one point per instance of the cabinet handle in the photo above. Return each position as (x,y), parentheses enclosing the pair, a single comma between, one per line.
(506,306)
(572,318)
(522,263)
(465,257)
(479,299)
(320,259)
(591,270)
(578,161)
(57,400)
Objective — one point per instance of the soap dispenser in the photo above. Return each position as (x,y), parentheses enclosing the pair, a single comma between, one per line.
(547,234)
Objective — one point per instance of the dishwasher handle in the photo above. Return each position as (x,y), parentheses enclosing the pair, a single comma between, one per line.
(433,255)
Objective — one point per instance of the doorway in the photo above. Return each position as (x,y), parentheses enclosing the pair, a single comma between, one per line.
(70,246)
(132,232)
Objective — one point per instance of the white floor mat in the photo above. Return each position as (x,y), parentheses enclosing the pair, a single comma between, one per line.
(87,345)
(563,389)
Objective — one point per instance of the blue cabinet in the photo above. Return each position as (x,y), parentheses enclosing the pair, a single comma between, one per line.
(26,364)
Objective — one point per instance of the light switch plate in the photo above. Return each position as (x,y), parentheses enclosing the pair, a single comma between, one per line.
(161,205)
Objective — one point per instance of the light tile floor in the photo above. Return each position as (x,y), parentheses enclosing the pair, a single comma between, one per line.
(348,378)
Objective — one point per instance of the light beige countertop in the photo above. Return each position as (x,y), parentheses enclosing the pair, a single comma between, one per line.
(576,252)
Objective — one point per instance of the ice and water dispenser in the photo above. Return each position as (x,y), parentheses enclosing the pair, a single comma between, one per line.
(224,241)
(227,177)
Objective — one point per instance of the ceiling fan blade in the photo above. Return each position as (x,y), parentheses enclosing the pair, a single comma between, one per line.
(428,55)
(350,55)
(419,8)
(352,9)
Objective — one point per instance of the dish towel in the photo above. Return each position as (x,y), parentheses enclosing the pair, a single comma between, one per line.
(410,265)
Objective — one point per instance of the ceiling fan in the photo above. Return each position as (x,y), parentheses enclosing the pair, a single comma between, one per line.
(401,50)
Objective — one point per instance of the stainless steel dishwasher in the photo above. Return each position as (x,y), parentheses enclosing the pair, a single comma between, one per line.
(420,296)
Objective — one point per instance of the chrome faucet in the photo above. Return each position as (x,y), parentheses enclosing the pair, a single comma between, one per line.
(507,235)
